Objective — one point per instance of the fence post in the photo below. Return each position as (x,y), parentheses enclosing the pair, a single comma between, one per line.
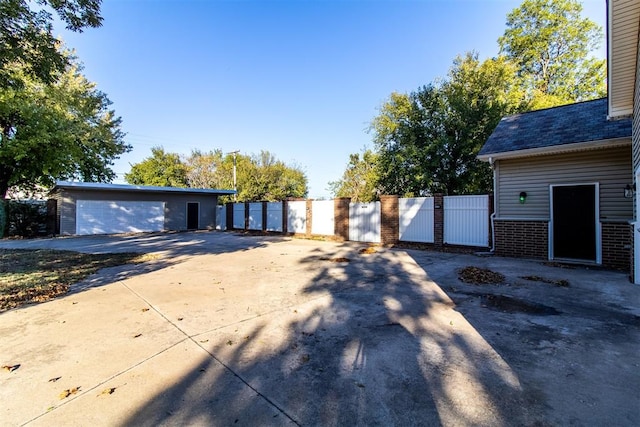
(309,217)
(229,213)
(390,220)
(341,217)
(246,215)
(438,220)
(285,217)
(264,216)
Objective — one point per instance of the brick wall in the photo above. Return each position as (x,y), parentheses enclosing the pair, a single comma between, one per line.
(616,245)
(341,217)
(438,220)
(390,221)
(522,239)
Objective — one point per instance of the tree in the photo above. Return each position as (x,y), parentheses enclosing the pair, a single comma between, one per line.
(62,130)
(550,43)
(161,169)
(26,36)
(427,141)
(359,180)
(259,177)
(264,178)
(207,170)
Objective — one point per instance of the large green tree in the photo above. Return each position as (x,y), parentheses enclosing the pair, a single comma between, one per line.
(551,44)
(360,179)
(61,130)
(427,141)
(27,40)
(162,169)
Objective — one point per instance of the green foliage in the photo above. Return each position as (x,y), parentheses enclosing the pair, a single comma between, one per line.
(550,43)
(161,169)
(26,36)
(264,178)
(427,141)
(60,130)
(359,181)
(26,219)
(259,177)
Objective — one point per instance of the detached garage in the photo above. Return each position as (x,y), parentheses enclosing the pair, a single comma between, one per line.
(94,208)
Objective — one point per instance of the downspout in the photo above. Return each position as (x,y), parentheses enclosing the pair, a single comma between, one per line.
(495,203)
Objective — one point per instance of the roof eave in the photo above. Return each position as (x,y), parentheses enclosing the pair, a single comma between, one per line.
(557,149)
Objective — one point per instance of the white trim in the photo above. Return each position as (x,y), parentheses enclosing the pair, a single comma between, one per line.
(598,225)
(558,149)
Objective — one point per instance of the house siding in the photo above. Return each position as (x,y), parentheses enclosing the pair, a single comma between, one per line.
(635,127)
(533,175)
(175,207)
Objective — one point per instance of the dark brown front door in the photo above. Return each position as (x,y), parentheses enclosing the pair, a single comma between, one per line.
(574,222)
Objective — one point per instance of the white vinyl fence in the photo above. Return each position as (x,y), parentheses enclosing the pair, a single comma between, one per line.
(255,216)
(416,219)
(297,217)
(238,215)
(466,220)
(364,222)
(221,217)
(322,217)
(274,216)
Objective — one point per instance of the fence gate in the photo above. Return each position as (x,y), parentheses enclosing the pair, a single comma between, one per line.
(416,219)
(297,217)
(466,220)
(238,216)
(364,222)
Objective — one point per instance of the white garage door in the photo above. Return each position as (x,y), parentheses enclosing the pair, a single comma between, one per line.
(110,217)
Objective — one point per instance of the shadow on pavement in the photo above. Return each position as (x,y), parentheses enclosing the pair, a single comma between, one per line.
(372,341)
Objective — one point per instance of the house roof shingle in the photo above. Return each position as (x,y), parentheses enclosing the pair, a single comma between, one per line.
(567,124)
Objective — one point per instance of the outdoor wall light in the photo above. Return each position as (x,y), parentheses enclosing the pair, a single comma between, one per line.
(523,196)
(629,190)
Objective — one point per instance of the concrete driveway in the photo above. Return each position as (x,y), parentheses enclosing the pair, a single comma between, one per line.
(229,330)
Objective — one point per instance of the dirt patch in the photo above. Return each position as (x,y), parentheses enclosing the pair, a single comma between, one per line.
(562,282)
(339,259)
(368,251)
(514,305)
(479,276)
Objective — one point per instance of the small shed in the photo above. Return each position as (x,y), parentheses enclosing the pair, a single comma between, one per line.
(563,185)
(95,208)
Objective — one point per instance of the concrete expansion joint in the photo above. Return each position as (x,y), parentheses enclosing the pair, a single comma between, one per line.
(191,338)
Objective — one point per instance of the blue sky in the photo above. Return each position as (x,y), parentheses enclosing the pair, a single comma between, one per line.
(301,79)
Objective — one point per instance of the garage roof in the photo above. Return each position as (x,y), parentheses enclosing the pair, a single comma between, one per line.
(98,186)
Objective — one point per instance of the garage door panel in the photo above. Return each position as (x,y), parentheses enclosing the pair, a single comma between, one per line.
(110,217)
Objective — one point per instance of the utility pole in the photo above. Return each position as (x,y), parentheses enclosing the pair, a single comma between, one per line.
(235,186)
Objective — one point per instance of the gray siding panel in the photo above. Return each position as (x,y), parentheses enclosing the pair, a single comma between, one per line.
(611,168)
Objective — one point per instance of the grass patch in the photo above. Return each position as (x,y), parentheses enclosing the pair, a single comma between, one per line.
(30,276)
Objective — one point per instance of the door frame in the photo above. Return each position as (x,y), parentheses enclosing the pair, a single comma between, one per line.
(187,215)
(598,226)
